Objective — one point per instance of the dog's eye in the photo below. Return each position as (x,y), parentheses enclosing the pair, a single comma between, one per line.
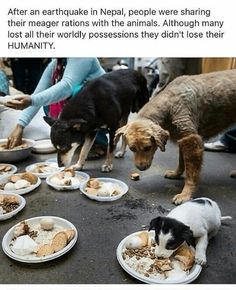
(147,148)
(132,148)
(172,245)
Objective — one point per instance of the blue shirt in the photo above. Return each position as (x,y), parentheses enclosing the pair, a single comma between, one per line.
(77,72)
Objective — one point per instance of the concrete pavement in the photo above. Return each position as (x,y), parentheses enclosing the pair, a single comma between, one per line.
(101,226)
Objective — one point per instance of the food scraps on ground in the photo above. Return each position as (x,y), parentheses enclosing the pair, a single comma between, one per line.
(134,176)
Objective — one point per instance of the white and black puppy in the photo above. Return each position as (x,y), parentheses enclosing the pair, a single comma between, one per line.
(193,222)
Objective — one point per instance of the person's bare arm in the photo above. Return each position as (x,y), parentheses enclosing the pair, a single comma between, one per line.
(20,103)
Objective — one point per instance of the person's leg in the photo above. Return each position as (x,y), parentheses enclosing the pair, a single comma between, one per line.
(99,148)
(101,138)
(34,68)
(229,140)
(216,146)
(18,71)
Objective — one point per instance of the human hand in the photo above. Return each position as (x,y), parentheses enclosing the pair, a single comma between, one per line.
(15,137)
(20,102)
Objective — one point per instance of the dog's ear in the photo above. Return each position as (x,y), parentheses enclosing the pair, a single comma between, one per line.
(187,235)
(160,137)
(49,120)
(155,223)
(120,132)
(77,123)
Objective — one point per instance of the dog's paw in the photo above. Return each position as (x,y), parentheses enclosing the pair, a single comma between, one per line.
(200,259)
(107,168)
(172,174)
(180,198)
(76,167)
(119,154)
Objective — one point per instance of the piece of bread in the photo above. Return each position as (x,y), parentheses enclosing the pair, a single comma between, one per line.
(29,177)
(11,199)
(5,168)
(163,265)
(186,256)
(94,183)
(45,250)
(144,236)
(14,178)
(134,176)
(1,198)
(59,241)
(70,235)
(71,171)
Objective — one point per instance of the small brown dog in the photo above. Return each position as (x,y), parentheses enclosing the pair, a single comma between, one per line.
(189,108)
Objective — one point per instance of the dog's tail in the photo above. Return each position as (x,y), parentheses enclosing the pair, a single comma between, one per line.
(226,218)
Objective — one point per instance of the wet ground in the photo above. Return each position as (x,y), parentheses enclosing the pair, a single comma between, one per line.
(101,226)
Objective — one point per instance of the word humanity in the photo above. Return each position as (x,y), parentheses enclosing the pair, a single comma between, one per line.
(30,45)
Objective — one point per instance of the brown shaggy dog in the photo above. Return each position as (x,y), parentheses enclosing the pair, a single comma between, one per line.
(189,108)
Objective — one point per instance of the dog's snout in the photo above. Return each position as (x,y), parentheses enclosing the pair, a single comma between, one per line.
(162,253)
(59,161)
(60,164)
(162,256)
(142,166)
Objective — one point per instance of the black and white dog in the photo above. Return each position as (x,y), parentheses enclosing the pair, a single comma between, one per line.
(103,102)
(194,222)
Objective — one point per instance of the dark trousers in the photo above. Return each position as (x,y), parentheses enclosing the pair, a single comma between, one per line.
(26,73)
(229,140)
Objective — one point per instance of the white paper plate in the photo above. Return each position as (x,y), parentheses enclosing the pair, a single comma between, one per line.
(33,259)
(53,160)
(19,191)
(12,171)
(43,147)
(84,177)
(124,187)
(193,273)
(31,168)
(14,212)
